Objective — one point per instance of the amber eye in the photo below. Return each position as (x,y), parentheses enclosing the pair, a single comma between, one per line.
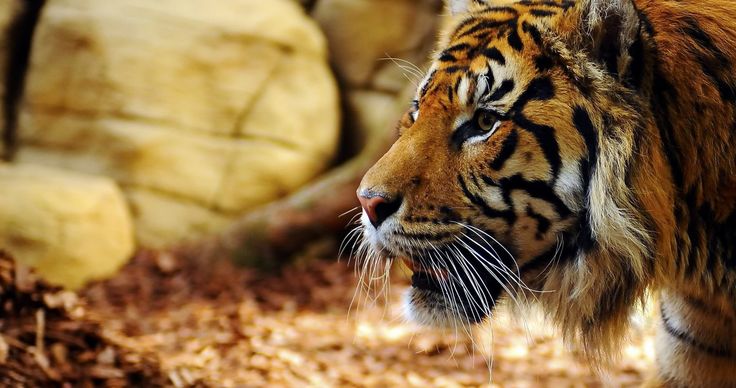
(486,120)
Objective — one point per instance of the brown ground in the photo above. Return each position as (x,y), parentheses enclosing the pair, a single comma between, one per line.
(223,326)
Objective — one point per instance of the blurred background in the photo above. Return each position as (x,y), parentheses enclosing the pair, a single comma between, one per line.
(179,175)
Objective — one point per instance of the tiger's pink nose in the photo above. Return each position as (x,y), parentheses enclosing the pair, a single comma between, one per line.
(377,207)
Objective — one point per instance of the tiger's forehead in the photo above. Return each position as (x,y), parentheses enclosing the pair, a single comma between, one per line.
(469,73)
(478,59)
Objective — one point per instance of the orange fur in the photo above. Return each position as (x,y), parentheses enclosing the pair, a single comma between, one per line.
(616,134)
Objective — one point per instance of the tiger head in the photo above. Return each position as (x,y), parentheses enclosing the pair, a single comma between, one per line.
(516,168)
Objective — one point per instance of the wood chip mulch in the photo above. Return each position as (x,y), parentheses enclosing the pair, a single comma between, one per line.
(48,339)
(221,326)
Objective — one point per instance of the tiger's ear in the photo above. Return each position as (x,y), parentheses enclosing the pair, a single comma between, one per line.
(608,29)
(458,7)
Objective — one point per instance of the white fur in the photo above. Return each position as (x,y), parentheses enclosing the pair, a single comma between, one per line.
(457,7)
(482,86)
(569,185)
(463,90)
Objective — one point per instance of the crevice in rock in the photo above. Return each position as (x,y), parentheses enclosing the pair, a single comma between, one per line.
(309,5)
(19,37)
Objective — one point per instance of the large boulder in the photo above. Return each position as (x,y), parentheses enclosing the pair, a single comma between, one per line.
(365,35)
(376,48)
(71,227)
(199,112)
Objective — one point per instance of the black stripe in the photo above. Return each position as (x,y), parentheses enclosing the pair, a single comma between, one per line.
(543,63)
(585,238)
(494,54)
(464,24)
(543,223)
(533,32)
(540,88)
(447,57)
(718,61)
(585,127)
(548,3)
(484,25)
(491,8)
(664,95)
(507,215)
(720,351)
(455,69)
(545,136)
(542,12)
(535,189)
(426,85)
(505,88)
(458,47)
(507,149)
(635,73)
(450,94)
(514,39)
(725,234)
(490,78)
(585,241)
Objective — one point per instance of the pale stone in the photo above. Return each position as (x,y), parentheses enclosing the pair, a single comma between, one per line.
(182,63)
(371,113)
(365,33)
(71,227)
(214,109)
(154,213)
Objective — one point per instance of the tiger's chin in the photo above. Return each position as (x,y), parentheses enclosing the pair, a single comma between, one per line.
(437,301)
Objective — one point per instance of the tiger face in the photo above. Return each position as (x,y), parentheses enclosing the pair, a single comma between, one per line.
(487,185)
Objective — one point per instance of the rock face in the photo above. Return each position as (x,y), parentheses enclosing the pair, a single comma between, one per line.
(377,47)
(199,112)
(365,34)
(72,227)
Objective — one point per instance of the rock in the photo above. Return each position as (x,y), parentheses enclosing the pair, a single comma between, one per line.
(363,34)
(371,114)
(377,48)
(212,111)
(71,227)
(8,12)
(153,211)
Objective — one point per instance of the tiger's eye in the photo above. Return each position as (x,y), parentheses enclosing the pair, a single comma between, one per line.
(486,121)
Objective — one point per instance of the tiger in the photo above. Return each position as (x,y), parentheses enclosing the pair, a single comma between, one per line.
(579,156)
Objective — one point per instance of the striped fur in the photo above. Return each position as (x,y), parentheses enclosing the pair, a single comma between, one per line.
(580,154)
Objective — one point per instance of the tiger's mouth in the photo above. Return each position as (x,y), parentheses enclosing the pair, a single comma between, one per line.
(429,279)
(448,296)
